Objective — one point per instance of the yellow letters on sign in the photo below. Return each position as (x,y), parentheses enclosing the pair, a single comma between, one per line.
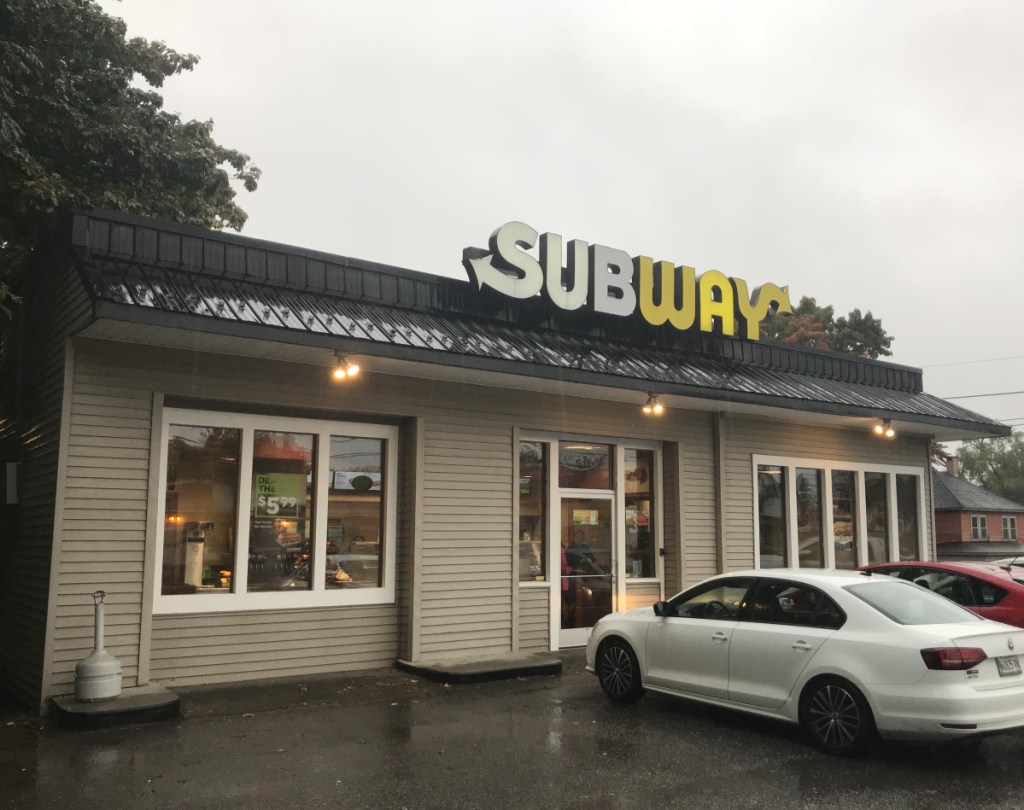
(665,310)
(610,283)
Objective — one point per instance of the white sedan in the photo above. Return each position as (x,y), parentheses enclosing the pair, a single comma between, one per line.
(843,653)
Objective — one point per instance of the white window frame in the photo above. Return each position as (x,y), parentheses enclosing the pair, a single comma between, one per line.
(319,595)
(554,494)
(979,528)
(790,465)
(1009,527)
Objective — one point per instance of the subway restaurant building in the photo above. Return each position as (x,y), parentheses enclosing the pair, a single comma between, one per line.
(571,431)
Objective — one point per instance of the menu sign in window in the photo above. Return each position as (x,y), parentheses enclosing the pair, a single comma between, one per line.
(277,495)
(584,517)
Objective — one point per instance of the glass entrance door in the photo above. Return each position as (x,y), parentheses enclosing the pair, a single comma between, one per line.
(587,564)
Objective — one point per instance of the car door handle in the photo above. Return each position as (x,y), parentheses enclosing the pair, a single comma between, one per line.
(802,646)
(719,637)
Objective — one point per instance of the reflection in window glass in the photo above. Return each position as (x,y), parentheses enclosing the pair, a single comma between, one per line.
(771,515)
(906,510)
(844,518)
(355,513)
(584,466)
(639,474)
(718,600)
(532,487)
(809,527)
(200,508)
(280,525)
(876,501)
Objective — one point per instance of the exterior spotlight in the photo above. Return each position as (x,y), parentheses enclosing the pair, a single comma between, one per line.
(344,368)
(652,406)
(884,428)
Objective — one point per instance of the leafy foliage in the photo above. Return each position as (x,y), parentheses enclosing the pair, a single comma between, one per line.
(819,328)
(78,130)
(996,464)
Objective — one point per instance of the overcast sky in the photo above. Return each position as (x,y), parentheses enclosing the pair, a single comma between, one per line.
(866,154)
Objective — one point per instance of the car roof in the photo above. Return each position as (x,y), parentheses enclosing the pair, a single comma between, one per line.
(982,569)
(822,576)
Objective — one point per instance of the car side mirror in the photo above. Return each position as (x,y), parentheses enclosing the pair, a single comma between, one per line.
(661,608)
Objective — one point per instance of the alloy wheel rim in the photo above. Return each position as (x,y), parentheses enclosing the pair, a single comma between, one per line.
(834,716)
(616,670)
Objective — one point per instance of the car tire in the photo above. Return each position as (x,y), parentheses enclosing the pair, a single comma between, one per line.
(837,717)
(618,671)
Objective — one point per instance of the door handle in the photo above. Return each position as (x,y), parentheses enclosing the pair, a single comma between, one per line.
(802,646)
(719,637)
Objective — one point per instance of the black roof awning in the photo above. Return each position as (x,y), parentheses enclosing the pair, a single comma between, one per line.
(149,272)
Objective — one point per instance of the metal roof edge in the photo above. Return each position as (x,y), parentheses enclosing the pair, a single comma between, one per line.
(132,313)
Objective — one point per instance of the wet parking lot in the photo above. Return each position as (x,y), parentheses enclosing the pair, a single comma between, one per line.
(389,740)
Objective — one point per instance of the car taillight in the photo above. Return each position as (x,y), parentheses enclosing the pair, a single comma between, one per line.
(952,657)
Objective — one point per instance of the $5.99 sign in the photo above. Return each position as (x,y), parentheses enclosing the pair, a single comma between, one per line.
(277,494)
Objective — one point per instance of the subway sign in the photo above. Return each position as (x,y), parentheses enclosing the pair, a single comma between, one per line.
(609,281)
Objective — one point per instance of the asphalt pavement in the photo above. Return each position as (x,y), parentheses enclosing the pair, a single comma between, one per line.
(386,739)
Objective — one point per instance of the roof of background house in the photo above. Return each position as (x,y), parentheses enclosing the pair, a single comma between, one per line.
(144,271)
(955,494)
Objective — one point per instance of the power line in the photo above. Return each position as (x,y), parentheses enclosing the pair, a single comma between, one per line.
(997,394)
(972,362)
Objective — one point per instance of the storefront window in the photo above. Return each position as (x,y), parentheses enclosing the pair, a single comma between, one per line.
(584,466)
(280,525)
(809,528)
(532,500)
(200,509)
(355,513)
(317,512)
(876,499)
(639,499)
(771,501)
(844,518)
(835,540)
(906,509)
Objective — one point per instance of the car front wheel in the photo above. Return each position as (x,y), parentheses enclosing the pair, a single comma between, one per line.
(837,717)
(619,671)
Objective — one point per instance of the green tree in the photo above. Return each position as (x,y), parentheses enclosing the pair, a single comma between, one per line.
(77,129)
(995,464)
(817,327)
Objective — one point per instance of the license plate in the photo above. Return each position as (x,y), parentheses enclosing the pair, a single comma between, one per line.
(1008,664)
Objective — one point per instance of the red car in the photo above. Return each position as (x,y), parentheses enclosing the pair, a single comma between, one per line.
(990,590)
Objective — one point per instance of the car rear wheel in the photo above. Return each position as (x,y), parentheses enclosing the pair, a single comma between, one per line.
(837,717)
(619,671)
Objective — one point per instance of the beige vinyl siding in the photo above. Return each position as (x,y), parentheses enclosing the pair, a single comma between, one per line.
(641,594)
(32,375)
(745,438)
(230,647)
(699,524)
(457,597)
(105,519)
(465,564)
(456,586)
(534,627)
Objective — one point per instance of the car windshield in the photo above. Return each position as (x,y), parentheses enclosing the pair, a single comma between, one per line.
(908,604)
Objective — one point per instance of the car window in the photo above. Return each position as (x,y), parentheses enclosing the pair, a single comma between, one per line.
(781,602)
(889,572)
(988,594)
(720,599)
(953,586)
(907,605)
